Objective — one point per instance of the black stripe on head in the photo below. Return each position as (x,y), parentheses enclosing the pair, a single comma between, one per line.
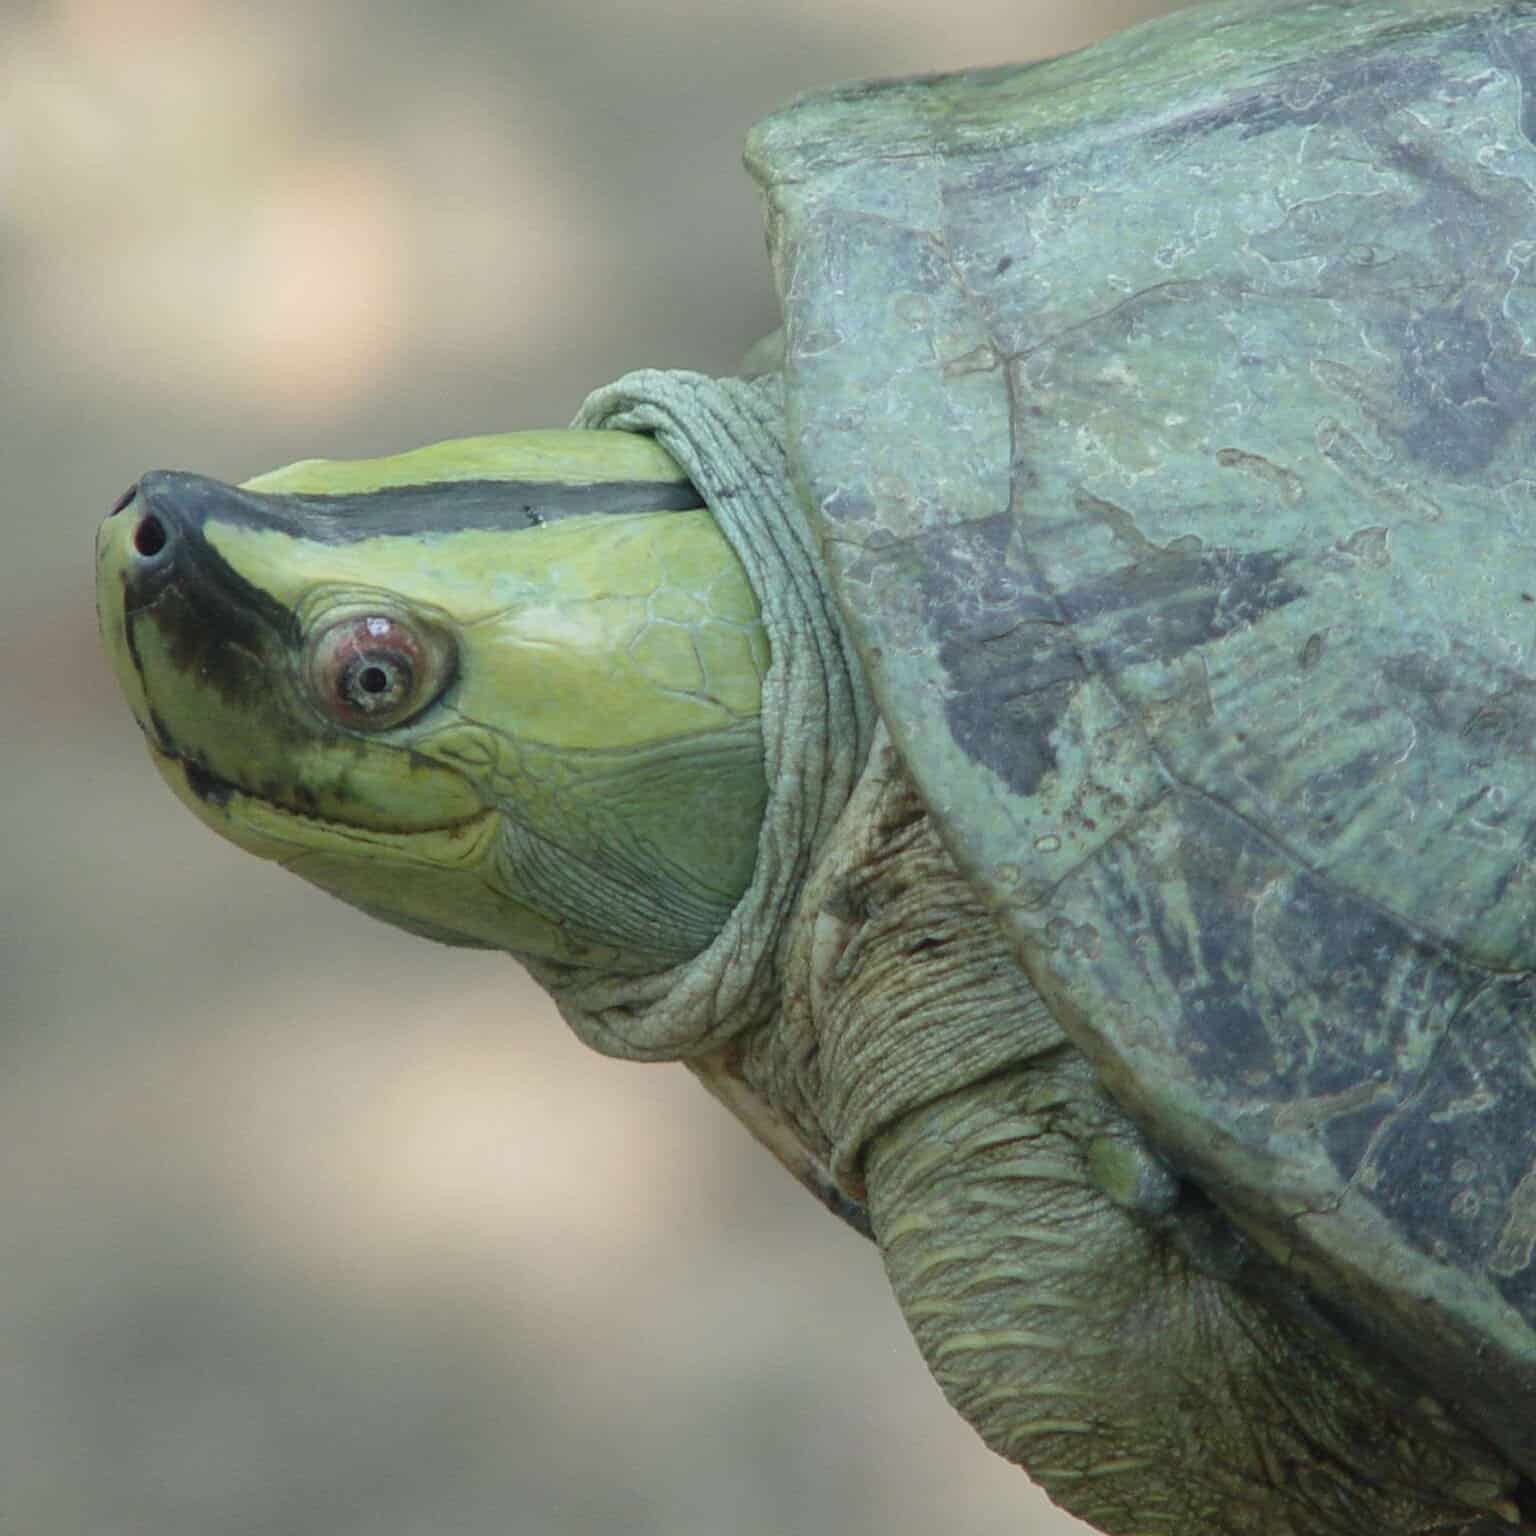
(221,627)
(452,506)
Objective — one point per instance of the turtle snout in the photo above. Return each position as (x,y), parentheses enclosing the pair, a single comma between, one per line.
(153,533)
(148,543)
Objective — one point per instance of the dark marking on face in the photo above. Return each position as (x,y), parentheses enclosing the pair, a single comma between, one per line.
(158,731)
(208,787)
(215,624)
(415,510)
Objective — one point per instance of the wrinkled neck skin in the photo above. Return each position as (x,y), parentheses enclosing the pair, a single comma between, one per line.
(894,990)
(1094,1318)
(816,718)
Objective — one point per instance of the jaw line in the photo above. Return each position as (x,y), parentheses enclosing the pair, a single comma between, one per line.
(243,811)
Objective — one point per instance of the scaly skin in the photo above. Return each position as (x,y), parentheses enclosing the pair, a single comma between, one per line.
(1146,1396)
(575,773)
(1097,1322)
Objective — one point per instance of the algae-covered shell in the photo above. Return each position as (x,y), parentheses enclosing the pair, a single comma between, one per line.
(1165,415)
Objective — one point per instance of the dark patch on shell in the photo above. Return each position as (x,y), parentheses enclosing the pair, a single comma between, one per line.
(1464,379)
(1176,601)
(1467,384)
(1014,654)
(1291,951)
(1344,86)
(1455,1166)
(1007,655)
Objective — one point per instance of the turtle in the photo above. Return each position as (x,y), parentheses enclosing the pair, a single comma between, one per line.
(1051,744)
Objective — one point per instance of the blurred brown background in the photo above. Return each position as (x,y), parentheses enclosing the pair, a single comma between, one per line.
(305,1226)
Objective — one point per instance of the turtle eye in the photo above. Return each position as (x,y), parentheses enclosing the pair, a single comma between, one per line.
(371,672)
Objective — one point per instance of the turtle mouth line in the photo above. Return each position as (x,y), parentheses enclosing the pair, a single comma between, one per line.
(214,790)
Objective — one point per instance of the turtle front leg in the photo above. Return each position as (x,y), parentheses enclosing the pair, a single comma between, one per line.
(1116,1350)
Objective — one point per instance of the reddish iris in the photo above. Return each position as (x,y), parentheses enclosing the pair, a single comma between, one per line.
(367,671)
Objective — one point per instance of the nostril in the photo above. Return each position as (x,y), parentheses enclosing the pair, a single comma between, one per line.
(150,537)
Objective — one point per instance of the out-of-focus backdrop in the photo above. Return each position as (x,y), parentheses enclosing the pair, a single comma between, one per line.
(306,1226)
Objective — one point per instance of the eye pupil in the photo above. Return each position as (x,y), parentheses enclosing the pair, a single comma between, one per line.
(374,684)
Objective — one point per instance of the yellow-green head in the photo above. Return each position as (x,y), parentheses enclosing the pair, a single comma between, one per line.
(502,691)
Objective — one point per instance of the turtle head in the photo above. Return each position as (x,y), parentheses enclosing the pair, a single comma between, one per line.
(502,692)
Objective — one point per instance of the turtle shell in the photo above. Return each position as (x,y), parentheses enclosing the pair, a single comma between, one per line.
(1165,412)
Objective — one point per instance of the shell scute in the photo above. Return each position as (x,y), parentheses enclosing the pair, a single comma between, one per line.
(1166,415)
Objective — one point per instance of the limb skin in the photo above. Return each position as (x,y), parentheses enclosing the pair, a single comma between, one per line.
(1093,1318)
(1146,1395)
